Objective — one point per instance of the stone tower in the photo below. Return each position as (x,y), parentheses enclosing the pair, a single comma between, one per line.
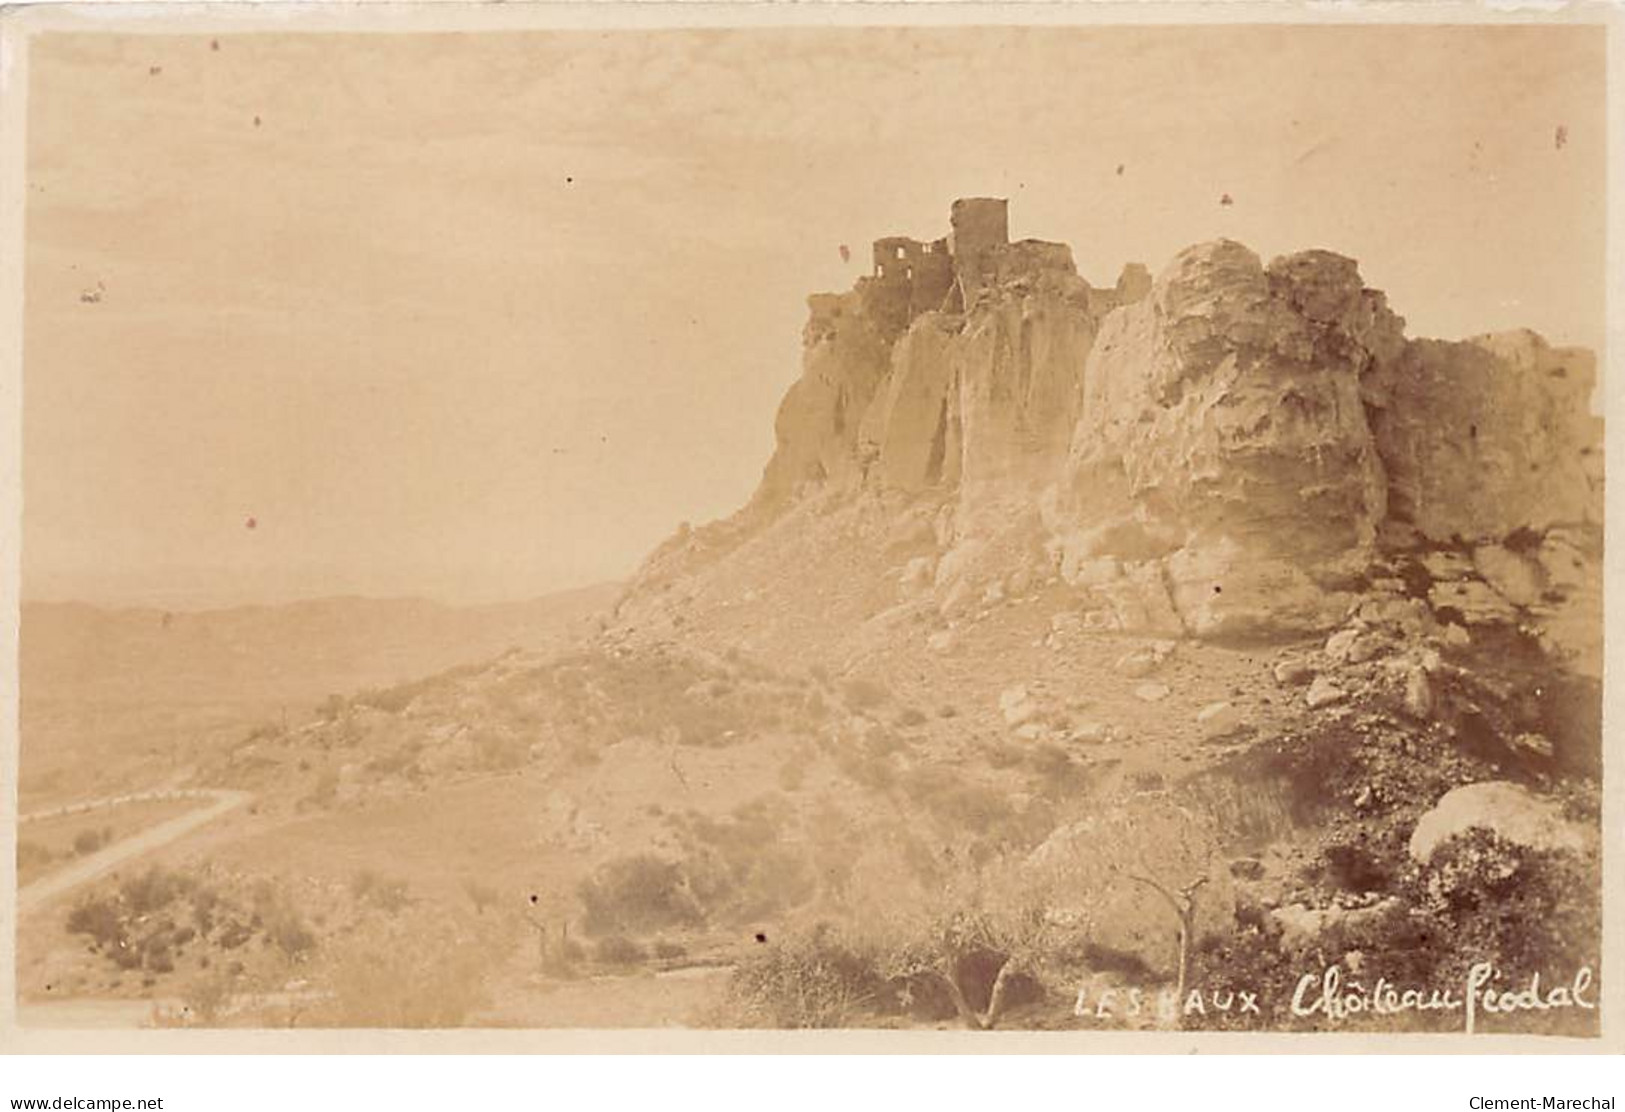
(981,226)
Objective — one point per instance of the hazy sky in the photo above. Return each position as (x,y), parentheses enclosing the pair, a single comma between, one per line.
(481,316)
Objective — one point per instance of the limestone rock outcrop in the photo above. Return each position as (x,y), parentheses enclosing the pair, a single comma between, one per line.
(1223,433)
(1487,437)
(958,364)
(1229,450)
(846,359)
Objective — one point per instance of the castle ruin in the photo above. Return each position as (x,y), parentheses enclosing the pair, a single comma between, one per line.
(912,276)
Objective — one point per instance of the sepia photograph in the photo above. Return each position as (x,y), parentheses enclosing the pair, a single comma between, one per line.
(917,531)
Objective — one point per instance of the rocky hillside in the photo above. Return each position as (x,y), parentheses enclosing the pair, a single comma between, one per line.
(1228,526)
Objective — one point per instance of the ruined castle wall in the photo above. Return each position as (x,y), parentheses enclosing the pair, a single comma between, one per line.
(1488,436)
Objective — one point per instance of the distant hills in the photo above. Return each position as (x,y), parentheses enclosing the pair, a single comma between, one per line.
(127,687)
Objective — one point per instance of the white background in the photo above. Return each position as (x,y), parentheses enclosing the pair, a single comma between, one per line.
(772,1084)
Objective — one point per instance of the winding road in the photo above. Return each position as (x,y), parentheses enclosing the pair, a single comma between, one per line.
(110,857)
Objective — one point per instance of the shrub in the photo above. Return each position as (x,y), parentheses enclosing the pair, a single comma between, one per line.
(89,841)
(1058,775)
(618,949)
(287,931)
(393,700)
(811,980)
(1487,899)
(961,805)
(409,973)
(204,998)
(151,890)
(636,893)
(99,918)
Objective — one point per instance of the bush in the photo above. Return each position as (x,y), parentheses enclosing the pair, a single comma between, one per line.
(811,980)
(1525,910)
(1058,775)
(404,973)
(636,893)
(618,949)
(99,918)
(204,998)
(287,931)
(151,890)
(393,700)
(89,841)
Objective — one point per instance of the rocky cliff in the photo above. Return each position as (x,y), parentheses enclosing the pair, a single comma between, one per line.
(1233,450)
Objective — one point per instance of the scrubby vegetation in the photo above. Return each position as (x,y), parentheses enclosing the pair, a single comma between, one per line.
(153,922)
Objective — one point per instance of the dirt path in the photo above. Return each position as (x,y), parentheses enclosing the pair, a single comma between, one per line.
(683,997)
(154,796)
(48,888)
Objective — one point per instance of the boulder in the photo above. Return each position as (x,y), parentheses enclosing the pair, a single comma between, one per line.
(917,574)
(1509,810)
(1017,705)
(1418,693)
(1089,733)
(1218,720)
(1323,693)
(1139,663)
(1293,671)
(1518,579)
(1152,692)
(1302,927)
